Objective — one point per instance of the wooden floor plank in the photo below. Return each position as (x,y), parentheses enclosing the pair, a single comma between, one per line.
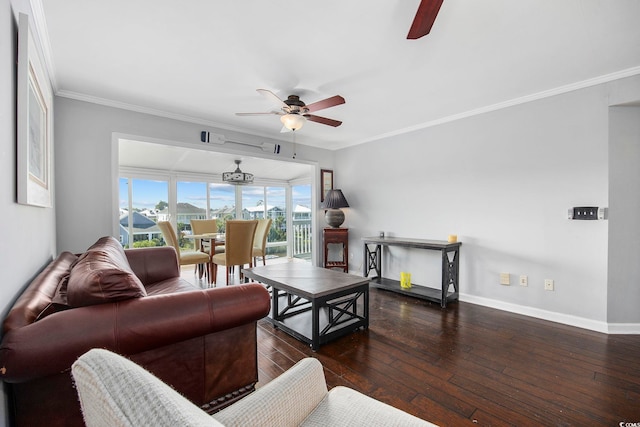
(475,365)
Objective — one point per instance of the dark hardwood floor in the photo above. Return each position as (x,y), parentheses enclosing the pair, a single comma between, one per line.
(470,364)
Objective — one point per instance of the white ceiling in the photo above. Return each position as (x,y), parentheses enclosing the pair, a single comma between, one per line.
(203,60)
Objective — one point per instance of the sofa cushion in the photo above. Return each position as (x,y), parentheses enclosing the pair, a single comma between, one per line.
(59,300)
(60,297)
(102,274)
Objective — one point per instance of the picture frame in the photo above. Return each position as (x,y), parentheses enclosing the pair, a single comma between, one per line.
(326,182)
(34,132)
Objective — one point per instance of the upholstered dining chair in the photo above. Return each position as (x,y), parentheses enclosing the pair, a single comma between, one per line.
(200,259)
(239,236)
(205,226)
(260,240)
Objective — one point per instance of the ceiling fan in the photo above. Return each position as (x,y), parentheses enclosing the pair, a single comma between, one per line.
(424,19)
(293,112)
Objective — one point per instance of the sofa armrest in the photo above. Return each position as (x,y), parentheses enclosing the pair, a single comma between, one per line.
(49,346)
(115,391)
(153,265)
(285,401)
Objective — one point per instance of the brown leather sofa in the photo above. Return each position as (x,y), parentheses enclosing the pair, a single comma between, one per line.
(133,302)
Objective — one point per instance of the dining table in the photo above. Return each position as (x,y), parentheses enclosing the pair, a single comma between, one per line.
(214,239)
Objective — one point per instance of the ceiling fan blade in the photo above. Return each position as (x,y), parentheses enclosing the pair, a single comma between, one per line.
(323,120)
(325,103)
(424,19)
(272,96)
(259,114)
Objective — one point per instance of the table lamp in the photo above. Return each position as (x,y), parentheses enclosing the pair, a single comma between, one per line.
(333,201)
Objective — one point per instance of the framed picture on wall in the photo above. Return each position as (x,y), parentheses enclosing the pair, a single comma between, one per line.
(34,122)
(326,182)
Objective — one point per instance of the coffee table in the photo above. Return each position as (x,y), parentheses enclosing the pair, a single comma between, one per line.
(313,304)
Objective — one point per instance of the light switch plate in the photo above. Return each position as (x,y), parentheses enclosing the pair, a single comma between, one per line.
(504,279)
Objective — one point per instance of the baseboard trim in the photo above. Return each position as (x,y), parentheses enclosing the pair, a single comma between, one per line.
(624,328)
(565,319)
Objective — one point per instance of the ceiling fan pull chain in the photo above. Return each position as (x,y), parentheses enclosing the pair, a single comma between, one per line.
(294,144)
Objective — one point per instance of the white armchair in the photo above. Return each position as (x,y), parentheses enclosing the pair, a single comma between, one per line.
(114,391)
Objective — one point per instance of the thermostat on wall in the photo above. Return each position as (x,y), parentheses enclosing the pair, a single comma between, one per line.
(587,213)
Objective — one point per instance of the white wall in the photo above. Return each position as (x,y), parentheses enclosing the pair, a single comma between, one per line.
(502,181)
(84,163)
(624,204)
(28,238)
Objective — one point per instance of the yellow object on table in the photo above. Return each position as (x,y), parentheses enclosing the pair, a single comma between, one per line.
(452,238)
(405,280)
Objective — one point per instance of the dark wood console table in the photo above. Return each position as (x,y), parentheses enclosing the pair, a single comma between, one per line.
(450,267)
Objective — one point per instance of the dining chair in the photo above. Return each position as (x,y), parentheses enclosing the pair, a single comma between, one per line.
(206,226)
(239,236)
(200,259)
(260,240)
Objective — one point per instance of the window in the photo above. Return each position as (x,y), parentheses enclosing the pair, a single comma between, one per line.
(222,202)
(268,202)
(146,197)
(302,236)
(277,201)
(191,204)
(142,203)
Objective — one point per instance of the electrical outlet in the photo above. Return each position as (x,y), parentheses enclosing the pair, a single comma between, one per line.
(504,279)
(524,281)
(548,284)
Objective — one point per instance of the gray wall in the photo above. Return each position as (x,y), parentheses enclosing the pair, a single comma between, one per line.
(85,172)
(624,223)
(503,182)
(28,237)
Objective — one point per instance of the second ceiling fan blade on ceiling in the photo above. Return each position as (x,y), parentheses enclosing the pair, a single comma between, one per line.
(424,19)
(325,103)
(273,97)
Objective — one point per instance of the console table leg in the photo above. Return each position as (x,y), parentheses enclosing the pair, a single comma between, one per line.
(315,325)
(450,269)
(372,260)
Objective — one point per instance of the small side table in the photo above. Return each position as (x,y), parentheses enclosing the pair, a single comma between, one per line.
(336,236)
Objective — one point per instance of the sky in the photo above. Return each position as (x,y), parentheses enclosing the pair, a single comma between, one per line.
(147,194)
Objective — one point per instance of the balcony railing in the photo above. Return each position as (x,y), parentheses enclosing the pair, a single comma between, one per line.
(302,239)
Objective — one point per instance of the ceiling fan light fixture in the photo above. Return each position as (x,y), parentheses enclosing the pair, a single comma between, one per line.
(237,177)
(293,121)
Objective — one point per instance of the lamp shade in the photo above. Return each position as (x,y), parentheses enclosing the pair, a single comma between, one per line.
(335,199)
(293,121)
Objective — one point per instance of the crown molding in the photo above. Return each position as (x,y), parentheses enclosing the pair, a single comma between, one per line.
(155,112)
(447,119)
(629,72)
